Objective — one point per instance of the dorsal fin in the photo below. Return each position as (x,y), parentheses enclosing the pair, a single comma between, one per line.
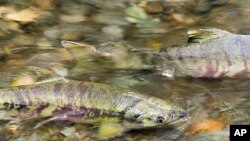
(204,35)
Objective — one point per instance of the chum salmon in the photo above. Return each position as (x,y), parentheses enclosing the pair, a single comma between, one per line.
(87,102)
(211,53)
(208,53)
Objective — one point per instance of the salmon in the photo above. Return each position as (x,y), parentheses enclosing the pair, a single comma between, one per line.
(87,102)
(211,53)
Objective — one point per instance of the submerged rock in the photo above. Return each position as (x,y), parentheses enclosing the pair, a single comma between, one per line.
(113,31)
(110,18)
(72,18)
(154,7)
(135,14)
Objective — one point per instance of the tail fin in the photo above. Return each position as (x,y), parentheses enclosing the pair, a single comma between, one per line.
(205,35)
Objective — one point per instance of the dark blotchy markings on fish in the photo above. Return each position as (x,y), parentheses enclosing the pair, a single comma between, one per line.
(78,101)
(212,53)
(61,99)
(8,106)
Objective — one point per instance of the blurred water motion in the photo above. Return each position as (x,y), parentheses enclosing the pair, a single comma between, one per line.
(31,32)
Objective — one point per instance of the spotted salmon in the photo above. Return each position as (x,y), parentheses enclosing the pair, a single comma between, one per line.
(87,102)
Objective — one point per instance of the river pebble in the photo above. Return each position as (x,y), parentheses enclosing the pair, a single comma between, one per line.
(113,31)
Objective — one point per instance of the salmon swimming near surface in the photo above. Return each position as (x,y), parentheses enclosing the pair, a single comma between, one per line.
(212,53)
(89,102)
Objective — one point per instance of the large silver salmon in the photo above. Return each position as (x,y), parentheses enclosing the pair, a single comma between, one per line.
(88,102)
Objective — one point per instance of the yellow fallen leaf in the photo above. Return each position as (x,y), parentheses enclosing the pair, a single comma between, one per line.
(12,129)
(25,15)
(5,10)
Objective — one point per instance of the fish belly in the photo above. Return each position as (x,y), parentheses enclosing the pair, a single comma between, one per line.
(212,68)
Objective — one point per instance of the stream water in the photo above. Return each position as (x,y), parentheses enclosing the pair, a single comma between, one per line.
(32,43)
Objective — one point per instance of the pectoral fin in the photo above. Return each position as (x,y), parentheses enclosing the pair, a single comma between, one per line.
(109,129)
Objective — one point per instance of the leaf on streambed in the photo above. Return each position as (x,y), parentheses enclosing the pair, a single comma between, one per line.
(13,129)
(206,125)
(24,15)
(10,129)
(5,10)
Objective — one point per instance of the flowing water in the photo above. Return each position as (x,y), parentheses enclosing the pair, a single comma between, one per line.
(32,44)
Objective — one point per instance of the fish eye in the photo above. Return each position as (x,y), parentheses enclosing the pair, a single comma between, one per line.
(160,119)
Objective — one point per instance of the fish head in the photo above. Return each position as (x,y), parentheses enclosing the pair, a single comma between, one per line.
(154,112)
